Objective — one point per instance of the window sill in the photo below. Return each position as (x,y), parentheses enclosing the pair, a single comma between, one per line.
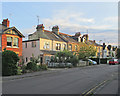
(11,47)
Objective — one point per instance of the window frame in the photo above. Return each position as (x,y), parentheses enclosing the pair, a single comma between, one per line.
(9,42)
(58,46)
(70,49)
(17,42)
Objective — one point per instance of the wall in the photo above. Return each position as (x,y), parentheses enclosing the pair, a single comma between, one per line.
(27,52)
(16,50)
(62,45)
(42,41)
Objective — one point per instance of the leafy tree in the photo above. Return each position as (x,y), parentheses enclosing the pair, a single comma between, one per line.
(9,63)
(86,51)
(66,57)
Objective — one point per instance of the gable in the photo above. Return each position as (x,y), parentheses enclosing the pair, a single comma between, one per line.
(13,31)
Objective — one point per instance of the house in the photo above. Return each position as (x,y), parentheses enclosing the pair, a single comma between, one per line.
(98,48)
(10,38)
(48,43)
(109,51)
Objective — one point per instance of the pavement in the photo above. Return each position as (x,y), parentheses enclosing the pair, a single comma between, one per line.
(32,74)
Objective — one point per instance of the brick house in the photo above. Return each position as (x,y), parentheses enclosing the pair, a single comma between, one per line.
(10,38)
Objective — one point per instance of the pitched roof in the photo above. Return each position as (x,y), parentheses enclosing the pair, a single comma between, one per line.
(10,28)
(67,37)
(92,42)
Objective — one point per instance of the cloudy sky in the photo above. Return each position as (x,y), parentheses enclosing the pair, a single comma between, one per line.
(98,19)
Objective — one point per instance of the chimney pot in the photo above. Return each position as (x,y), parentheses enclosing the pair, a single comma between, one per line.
(55,29)
(6,22)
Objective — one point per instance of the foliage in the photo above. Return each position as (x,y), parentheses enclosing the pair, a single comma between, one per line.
(43,67)
(118,53)
(34,59)
(9,63)
(31,66)
(19,70)
(65,57)
(86,51)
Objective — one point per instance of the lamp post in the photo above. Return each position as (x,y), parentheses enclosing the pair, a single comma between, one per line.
(99,50)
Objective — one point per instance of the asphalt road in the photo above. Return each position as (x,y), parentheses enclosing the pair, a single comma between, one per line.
(97,79)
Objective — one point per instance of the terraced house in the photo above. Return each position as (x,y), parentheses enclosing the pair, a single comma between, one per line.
(10,38)
(44,44)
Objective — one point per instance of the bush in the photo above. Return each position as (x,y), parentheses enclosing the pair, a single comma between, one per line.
(31,66)
(9,63)
(24,69)
(43,67)
(19,71)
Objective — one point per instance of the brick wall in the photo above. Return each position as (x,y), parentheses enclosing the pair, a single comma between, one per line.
(16,50)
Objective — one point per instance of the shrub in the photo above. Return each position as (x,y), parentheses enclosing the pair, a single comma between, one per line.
(74,60)
(31,66)
(24,69)
(19,71)
(43,67)
(9,63)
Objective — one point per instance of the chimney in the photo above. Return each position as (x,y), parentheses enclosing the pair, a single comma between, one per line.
(40,27)
(55,29)
(6,22)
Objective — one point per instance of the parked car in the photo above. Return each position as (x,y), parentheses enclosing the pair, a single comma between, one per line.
(92,62)
(113,61)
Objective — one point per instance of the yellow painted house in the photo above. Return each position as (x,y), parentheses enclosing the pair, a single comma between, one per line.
(47,43)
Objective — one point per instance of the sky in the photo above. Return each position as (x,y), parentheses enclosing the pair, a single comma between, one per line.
(98,19)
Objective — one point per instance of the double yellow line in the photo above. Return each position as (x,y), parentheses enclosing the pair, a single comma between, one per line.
(92,89)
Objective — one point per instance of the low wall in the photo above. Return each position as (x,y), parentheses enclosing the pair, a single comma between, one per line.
(51,65)
(82,63)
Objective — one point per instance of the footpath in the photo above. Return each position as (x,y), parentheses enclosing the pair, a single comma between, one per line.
(49,71)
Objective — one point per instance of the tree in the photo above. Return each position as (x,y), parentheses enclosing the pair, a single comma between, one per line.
(9,63)
(118,53)
(66,57)
(86,51)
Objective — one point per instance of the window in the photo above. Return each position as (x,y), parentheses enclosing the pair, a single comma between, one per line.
(25,44)
(9,41)
(0,41)
(70,47)
(34,44)
(76,47)
(46,45)
(15,42)
(64,46)
(58,46)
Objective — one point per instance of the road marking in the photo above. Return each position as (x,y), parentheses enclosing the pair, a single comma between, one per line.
(92,89)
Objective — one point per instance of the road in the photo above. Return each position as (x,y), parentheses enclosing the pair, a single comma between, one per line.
(97,79)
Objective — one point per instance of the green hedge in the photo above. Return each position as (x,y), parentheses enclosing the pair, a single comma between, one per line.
(9,63)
